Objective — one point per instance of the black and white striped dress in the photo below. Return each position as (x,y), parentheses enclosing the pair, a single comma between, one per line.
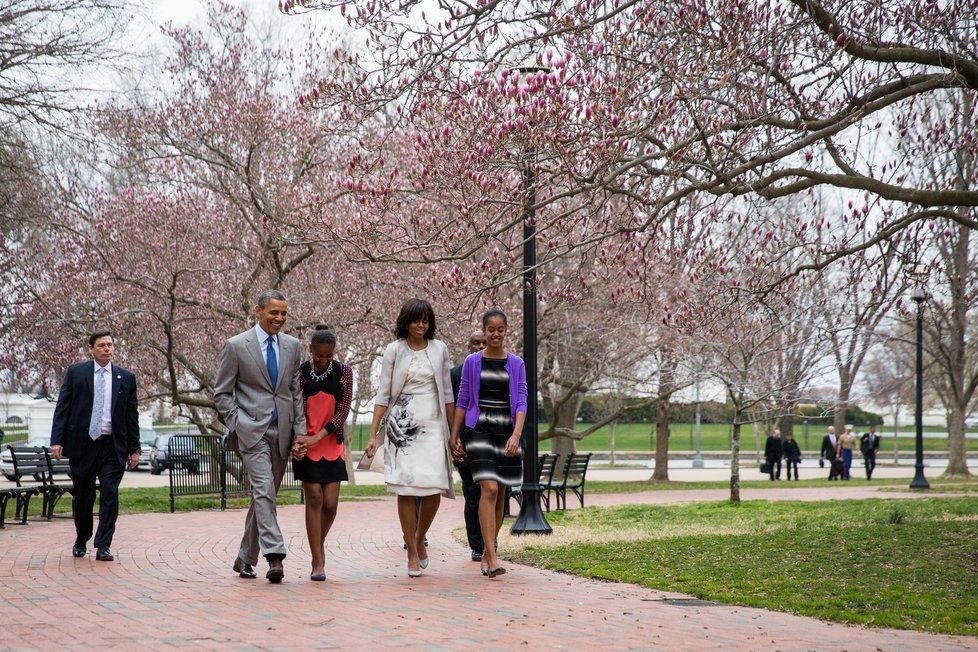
(485,444)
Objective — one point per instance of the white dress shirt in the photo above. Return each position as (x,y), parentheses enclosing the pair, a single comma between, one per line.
(106,428)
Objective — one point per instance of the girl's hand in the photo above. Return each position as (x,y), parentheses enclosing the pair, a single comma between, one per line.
(512,446)
(371,449)
(458,451)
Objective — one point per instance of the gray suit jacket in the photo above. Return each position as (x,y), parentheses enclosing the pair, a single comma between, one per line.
(245,396)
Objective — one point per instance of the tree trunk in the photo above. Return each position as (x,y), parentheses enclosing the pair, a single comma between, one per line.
(842,406)
(957,455)
(786,424)
(565,416)
(661,472)
(756,426)
(611,441)
(896,434)
(667,385)
(735,460)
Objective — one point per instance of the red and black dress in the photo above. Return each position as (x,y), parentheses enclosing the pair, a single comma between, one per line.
(326,398)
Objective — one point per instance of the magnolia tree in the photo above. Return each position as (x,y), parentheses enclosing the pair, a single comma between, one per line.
(209,191)
(654,103)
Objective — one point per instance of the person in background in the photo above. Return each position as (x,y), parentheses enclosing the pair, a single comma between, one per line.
(256,389)
(96,426)
(792,454)
(869,445)
(492,400)
(470,488)
(828,453)
(847,443)
(773,453)
(318,457)
(415,395)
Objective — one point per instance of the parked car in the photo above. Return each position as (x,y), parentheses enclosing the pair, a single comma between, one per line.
(147,436)
(181,454)
(7,461)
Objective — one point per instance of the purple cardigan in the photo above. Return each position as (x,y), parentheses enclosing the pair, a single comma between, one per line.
(468,390)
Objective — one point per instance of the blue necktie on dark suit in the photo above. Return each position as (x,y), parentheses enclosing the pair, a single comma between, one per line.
(271,361)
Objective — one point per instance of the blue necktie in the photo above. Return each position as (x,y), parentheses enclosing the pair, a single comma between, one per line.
(271,361)
(95,426)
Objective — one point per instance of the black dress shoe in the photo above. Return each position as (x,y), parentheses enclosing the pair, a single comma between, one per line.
(275,571)
(244,570)
(78,550)
(104,554)
(476,555)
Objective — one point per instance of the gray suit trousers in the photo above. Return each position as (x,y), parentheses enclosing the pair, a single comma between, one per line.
(266,467)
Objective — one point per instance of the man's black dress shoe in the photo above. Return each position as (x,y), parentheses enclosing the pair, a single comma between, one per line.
(78,550)
(476,555)
(275,571)
(104,554)
(244,570)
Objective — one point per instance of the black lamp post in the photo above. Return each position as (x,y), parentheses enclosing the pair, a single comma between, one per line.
(919,481)
(531,519)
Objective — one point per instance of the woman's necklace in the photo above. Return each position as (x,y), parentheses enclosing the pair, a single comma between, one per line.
(320,377)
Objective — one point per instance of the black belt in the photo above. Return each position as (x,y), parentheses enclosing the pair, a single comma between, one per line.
(104,437)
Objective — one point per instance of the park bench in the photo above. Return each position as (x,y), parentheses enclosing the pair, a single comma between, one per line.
(35,477)
(575,474)
(546,464)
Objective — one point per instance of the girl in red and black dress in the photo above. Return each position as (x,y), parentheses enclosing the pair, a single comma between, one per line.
(318,458)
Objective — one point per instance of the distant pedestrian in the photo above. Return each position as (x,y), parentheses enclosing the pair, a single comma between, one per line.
(96,426)
(792,454)
(829,452)
(869,445)
(773,453)
(318,457)
(847,444)
(492,405)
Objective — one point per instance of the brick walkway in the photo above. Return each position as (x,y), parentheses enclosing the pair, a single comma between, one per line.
(171,586)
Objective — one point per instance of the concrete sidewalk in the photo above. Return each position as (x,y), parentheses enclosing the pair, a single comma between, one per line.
(171,586)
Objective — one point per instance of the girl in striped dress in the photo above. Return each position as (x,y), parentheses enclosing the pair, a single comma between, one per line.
(492,404)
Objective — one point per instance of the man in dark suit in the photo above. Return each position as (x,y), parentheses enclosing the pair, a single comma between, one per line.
(96,426)
(257,393)
(869,445)
(470,488)
(829,452)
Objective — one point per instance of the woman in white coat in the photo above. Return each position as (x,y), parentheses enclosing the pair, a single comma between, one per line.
(415,395)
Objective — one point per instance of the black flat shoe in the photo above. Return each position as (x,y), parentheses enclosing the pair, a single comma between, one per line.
(78,551)
(244,570)
(104,554)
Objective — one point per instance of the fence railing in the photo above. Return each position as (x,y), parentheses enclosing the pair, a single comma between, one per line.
(201,465)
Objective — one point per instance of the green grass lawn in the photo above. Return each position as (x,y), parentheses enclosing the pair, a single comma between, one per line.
(900,563)
(716,437)
(640,437)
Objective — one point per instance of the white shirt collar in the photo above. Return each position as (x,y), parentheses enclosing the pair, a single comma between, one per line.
(263,336)
(107,367)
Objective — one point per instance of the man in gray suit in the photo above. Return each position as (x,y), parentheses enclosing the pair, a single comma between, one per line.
(257,394)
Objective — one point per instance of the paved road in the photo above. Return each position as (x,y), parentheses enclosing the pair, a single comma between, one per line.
(171,587)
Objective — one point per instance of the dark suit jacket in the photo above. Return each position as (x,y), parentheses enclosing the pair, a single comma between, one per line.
(828,450)
(73,412)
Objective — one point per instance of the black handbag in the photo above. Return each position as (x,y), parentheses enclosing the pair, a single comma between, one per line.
(765,467)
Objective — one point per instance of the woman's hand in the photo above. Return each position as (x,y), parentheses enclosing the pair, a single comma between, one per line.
(512,445)
(371,449)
